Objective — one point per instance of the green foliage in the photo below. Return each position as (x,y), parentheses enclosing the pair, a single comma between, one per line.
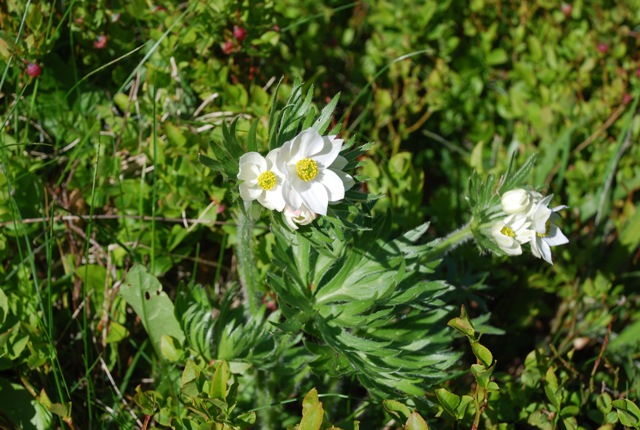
(100,175)
(368,299)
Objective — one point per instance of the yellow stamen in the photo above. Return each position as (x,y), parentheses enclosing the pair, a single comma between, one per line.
(267,180)
(508,231)
(307,169)
(547,227)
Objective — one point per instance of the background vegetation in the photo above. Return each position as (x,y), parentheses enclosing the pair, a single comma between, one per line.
(107,104)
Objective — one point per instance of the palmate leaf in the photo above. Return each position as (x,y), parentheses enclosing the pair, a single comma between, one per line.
(369,305)
(193,310)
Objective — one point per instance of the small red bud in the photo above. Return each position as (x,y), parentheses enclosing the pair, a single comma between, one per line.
(638,72)
(100,42)
(603,47)
(626,99)
(566,9)
(276,28)
(239,33)
(227,48)
(33,70)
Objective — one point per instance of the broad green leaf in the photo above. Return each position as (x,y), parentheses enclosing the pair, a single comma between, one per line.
(482,374)
(117,332)
(396,409)
(497,56)
(247,418)
(449,401)
(169,349)
(189,382)
(482,353)
(146,400)
(312,418)
(570,423)
(465,401)
(4,307)
(541,420)
(416,422)
(569,411)
(219,382)
(59,409)
(21,409)
(604,403)
(628,412)
(551,379)
(143,292)
(463,324)
(174,135)
(93,275)
(551,388)
(312,412)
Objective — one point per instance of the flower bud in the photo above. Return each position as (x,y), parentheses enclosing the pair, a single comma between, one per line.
(516,201)
(239,33)
(33,70)
(295,217)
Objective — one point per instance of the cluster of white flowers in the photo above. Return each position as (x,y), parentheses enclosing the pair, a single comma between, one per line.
(528,219)
(299,179)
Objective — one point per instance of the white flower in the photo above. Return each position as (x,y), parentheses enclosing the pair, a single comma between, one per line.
(262,181)
(516,201)
(547,234)
(300,216)
(312,168)
(511,232)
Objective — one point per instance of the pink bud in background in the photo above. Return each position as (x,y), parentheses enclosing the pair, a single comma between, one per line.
(603,47)
(239,33)
(101,42)
(227,48)
(34,70)
(566,9)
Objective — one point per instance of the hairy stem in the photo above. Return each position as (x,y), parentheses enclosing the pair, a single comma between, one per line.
(245,254)
(451,241)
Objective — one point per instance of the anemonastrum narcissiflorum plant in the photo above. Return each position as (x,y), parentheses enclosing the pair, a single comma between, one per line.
(365,305)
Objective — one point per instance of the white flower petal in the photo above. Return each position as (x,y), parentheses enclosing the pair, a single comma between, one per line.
(273,199)
(249,193)
(330,151)
(555,236)
(310,142)
(292,197)
(546,251)
(253,158)
(334,185)
(337,166)
(316,198)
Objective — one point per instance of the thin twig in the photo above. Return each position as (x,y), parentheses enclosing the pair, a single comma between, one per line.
(605,342)
(115,388)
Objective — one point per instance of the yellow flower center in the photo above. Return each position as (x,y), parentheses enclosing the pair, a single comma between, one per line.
(267,180)
(508,231)
(307,169)
(547,227)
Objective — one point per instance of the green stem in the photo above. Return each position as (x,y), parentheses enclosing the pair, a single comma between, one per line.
(245,254)
(451,241)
